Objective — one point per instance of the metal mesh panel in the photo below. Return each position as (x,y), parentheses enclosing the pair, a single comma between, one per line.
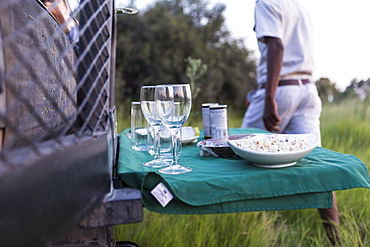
(54,89)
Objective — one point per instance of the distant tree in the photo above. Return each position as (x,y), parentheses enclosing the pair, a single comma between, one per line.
(152,48)
(359,89)
(327,90)
(194,71)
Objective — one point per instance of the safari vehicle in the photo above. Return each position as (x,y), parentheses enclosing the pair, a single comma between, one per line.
(58,185)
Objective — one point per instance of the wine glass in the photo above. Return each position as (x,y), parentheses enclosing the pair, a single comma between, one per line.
(173,103)
(150,113)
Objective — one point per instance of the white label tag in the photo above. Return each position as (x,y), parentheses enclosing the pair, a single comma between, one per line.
(162,194)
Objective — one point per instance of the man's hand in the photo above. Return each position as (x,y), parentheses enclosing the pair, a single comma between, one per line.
(60,11)
(271,118)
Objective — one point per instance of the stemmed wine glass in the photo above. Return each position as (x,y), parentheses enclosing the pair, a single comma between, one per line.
(173,103)
(147,102)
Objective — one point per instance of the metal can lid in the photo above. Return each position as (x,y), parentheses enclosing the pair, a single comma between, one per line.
(215,107)
(206,105)
(135,104)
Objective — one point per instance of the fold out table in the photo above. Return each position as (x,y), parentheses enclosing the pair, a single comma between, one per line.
(229,185)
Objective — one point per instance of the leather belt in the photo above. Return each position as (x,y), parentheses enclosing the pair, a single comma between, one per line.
(288,82)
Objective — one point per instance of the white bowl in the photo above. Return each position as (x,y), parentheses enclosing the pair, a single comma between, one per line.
(188,135)
(276,160)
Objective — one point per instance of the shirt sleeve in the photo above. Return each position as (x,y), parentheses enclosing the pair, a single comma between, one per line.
(268,20)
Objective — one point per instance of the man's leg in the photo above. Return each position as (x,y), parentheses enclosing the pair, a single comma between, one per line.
(331,222)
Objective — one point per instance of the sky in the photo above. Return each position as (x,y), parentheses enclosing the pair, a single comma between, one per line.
(341,34)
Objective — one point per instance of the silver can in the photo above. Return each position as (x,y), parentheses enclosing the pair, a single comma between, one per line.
(206,120)
(219,121)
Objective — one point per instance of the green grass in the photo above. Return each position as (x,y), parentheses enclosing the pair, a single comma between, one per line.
(345,129)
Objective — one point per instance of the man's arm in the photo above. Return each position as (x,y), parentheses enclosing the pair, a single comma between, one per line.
(274,63)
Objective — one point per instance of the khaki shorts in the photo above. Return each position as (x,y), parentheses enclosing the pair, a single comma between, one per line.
(299,107)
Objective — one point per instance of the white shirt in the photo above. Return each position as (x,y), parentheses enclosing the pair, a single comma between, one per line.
(289,21)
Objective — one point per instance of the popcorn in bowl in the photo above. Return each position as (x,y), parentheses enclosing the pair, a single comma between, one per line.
(274,143)
(275,150)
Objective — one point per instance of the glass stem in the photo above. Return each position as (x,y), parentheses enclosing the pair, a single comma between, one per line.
(156,142)
(176,143)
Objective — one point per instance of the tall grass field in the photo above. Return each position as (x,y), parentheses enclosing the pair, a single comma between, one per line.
(345,128)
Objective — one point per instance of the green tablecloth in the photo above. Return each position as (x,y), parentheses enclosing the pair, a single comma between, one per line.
(225,185)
